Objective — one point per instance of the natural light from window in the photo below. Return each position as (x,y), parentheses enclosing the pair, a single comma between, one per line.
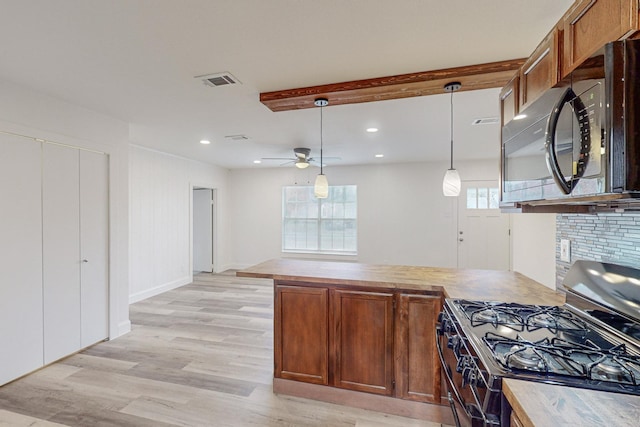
(483,198)
(324,226)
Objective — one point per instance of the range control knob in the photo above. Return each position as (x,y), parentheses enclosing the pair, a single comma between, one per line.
(469,375)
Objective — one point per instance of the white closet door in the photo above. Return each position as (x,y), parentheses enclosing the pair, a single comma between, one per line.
(61,251)
(20,258)
(94,247)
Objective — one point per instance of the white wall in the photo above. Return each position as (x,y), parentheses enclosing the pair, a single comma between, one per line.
(533,246)
(29,113)
(403,218)
(161,196)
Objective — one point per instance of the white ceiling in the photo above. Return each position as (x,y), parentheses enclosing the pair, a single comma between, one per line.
(136,60)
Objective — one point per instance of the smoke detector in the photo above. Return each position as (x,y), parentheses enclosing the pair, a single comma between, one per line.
(219,79)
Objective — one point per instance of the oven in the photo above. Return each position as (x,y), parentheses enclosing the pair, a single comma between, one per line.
(593,341)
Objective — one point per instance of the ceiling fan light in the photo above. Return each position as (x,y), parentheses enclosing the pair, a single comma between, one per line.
(451,183)
(321,188)
(302,164)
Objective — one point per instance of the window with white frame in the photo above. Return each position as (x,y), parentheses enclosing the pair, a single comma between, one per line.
(313,225)
(483,198)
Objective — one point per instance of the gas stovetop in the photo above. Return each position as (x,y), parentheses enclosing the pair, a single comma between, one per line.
(549,340)
(547,343)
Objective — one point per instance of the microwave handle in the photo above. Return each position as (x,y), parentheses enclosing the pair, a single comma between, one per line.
(550,142)
(580,112)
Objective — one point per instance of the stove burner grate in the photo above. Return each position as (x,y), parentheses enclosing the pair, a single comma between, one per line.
(521,317)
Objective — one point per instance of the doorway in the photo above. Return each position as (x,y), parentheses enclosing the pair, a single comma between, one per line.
(203,229)
(484,239)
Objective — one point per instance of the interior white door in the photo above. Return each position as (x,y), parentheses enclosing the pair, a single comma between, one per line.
(483,231)
(203,229)
(61,250)
(94,247)
(20,257)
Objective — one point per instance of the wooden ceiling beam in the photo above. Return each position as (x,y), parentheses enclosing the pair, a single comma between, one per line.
(472,77)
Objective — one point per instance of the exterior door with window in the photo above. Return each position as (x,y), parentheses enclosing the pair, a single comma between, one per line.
(483,231)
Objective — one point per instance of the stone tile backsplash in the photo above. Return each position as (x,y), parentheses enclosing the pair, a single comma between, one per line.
(606,237)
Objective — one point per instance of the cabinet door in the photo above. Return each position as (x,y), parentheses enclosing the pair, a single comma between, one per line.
(61,251)
(300,337)
(20,257)
(417,363)
(94,247)
(509,103)
(362,345)
(540,72)
(593,23)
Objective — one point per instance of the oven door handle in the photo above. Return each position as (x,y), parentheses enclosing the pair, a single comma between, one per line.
(452,404)
(445,368)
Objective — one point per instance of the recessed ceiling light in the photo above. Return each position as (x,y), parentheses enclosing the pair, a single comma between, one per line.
(372,130)
(205,141)
(379,156)
(257,162)
(520,117)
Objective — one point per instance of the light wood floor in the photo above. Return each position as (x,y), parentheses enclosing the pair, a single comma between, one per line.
(200,355)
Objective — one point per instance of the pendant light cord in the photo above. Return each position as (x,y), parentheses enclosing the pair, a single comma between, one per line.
(451,121)
(321,108)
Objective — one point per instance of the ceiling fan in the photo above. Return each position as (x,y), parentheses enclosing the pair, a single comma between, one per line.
(302,158)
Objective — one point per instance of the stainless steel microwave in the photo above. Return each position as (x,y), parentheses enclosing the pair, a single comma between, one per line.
(580,141)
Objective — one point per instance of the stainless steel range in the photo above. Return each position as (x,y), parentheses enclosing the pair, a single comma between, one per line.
(593,341)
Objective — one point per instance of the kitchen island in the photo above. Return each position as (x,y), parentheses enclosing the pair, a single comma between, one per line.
(364,335)
(486,285)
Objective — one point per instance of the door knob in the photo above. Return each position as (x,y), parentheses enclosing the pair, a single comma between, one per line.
(85,260)
(461,239)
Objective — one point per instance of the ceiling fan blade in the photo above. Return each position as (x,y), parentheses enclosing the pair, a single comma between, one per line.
(317,159)
(288,163)
(279,158)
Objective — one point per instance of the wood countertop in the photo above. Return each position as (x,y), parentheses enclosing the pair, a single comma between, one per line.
(483,285)
(546,405)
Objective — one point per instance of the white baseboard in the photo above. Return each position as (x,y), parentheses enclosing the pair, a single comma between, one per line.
(123,328)
(234,267)
(139,296)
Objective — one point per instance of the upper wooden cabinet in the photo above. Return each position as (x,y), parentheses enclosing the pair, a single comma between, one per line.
(590,24)
(540,72)
(509,100)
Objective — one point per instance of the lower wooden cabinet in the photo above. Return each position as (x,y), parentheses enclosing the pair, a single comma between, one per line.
(363,341)
(417,363)
(301,340)
(369,341)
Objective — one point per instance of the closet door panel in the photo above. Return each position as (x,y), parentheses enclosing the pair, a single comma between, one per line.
(61,251)
(20,258)
(94,247)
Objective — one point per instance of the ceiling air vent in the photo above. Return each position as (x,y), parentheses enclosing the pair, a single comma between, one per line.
(485,121)
(237,137)
(219,79)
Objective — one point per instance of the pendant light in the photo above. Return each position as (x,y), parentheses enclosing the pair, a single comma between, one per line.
(321,188)
(451,182)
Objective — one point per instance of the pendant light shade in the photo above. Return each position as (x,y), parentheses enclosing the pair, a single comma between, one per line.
(451,183)
(321,187)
